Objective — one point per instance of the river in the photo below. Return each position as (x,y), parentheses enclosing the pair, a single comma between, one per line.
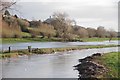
(57,65)
(24,45)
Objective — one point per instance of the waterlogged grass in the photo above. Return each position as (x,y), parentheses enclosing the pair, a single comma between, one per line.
(8,55)
(50,50)
(14,53)
(15,40)
(112,63)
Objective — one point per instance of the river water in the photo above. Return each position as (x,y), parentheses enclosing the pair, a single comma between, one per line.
(57,65)
(24,45)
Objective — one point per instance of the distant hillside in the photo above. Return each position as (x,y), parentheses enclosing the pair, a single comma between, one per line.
(56,26)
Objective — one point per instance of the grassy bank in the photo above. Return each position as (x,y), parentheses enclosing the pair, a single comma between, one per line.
(97,39)
(15,40)
(48,50)
(112,62)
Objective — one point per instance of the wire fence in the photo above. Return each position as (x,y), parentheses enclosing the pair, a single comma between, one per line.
(8,49)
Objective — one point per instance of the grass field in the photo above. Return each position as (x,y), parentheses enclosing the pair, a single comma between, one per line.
(112,62)
(97,39)
(15,40)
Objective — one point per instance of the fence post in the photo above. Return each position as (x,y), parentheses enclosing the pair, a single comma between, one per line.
(29,49)
(9,50)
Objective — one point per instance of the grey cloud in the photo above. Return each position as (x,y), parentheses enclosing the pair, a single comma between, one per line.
(95,15)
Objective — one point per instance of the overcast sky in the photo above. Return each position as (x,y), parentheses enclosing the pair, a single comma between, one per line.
(87,13)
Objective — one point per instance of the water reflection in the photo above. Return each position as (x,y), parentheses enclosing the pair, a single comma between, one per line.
(58,65)
(23,45)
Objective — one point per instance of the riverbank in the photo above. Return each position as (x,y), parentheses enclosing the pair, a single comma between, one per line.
(100,66)
(15,40)
(16,53)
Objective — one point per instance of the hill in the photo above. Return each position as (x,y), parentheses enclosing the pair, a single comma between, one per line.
(57,26)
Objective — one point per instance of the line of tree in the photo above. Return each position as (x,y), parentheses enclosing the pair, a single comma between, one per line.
(59,25)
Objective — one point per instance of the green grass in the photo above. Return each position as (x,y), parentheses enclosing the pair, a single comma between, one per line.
(24,34)
(15,40)
(112,62)
(97,39)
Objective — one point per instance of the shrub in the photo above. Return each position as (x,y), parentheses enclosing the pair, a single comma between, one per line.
(47,30)
(25,35)
(24,24)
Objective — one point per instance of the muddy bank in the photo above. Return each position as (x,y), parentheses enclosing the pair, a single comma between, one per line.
(89,68)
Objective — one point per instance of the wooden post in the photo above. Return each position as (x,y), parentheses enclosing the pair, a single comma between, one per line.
(29,49)
(9,50)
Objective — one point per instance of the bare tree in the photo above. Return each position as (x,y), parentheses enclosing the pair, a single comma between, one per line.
(91,32)
(62,24)
(74,22)
(6,4)
(81,32)
(101,32)
(112,34)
